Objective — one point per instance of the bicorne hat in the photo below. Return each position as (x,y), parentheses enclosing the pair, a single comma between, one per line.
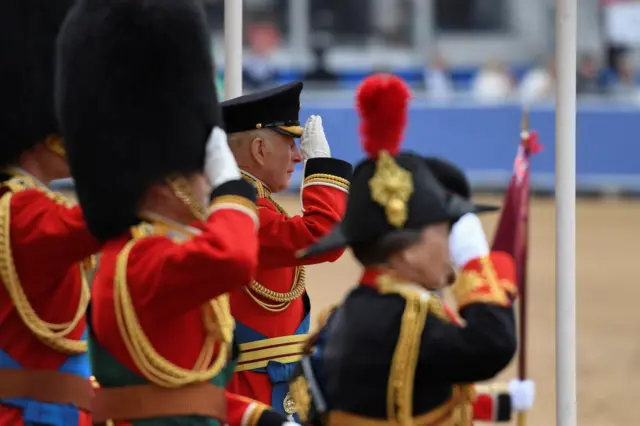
(454,180)
(390,190)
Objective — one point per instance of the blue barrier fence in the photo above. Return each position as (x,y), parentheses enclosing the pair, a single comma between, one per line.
(483,141)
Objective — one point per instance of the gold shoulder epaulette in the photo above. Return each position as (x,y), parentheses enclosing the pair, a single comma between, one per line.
(21,183)
(175,233)
(16,184)
(141,230)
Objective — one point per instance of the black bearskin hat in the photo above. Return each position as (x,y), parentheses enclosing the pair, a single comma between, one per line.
(136,101)
(27,47)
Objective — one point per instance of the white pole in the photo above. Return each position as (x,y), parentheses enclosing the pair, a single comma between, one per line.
(566,51)
(232,48)
(299,25)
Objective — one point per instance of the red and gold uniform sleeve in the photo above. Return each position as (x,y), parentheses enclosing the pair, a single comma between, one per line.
(487,342)
(324,198)
(242,411)
(178,277)
(487,280)
(47,233)
(492,403)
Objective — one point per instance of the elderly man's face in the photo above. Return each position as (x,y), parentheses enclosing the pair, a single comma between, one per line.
(281,156)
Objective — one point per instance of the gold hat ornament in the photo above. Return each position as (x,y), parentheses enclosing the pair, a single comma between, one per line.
(382,102)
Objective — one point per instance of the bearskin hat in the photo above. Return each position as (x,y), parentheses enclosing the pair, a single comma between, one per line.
(27,47)
(136,101)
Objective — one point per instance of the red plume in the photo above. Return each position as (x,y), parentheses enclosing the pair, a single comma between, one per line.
(382,101)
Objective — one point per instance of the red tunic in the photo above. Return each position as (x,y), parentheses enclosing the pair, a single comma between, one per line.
(159,272)
(323,194)
(169,275)
(48,241)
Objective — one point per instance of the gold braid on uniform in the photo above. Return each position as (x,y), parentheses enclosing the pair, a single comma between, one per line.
(405,357)
(324,179)
(255,289)
(218,322)
(180,187)
(51,334)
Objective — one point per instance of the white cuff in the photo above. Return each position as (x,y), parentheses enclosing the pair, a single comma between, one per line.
(522,394)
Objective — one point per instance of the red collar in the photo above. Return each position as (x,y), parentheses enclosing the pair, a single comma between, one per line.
(370,277)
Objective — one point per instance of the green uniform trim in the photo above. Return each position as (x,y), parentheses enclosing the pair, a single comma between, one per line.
(110,373)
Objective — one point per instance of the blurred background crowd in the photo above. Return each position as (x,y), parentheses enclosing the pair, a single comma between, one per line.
(479,50)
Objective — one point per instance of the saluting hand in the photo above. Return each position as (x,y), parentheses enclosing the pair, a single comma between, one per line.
(219,164)
(467,240)
(313,142)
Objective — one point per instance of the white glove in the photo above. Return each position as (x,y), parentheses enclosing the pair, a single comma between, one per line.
(467,240)
(313,142)
(219,163)
(523,393)
(290,424)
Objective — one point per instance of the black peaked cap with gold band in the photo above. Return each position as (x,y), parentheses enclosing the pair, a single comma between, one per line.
(136,100)
(277,109)
(390,190)
(27,46)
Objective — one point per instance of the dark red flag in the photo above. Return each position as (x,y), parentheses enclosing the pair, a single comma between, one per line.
(512,233)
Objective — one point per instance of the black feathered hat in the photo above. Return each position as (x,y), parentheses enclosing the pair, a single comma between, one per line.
(136,100)
(27,47)
(390,190)
(277,109)
(454,180)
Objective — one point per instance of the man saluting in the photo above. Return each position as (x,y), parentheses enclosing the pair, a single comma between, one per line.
(272,312)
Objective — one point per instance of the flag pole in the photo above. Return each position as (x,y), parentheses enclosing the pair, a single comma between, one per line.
(522,356)
(566,39)
(512,232)
(232,48)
